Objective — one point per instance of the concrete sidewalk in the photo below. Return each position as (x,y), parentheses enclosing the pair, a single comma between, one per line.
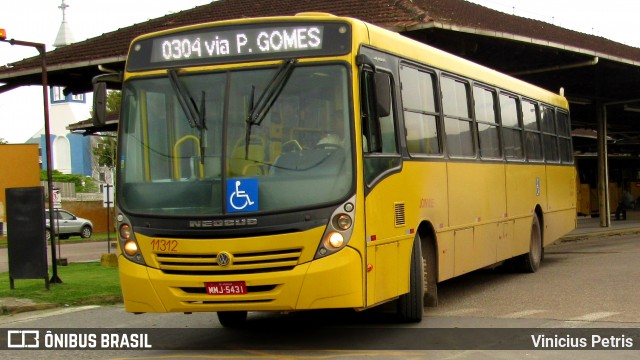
(75,252)
(93,251)
(590,228)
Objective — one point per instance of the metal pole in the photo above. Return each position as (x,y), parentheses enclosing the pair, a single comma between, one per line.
(108,221)
(45,97)
(58,229)
(47,133)
(603,166)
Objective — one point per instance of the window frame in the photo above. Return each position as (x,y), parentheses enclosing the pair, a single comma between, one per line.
(564,137)
(436,113)
(369,112)
(469,120)
(438,77)
(537,131)
(519,128)
(551,135)
(495,124)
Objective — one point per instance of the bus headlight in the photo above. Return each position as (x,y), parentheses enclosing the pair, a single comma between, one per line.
(335,239)
(125,231)
(343,221)
(128,242)
(338,231)
(130,248)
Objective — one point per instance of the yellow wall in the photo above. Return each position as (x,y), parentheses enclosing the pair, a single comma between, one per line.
(19,167)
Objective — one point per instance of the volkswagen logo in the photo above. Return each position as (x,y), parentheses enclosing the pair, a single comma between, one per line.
(224,258)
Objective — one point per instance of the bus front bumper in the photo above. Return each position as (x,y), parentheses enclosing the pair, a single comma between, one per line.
(335,281)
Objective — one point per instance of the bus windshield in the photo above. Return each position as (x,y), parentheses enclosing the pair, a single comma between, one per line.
(191,143)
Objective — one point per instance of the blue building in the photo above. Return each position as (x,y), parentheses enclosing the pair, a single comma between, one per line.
(71,153)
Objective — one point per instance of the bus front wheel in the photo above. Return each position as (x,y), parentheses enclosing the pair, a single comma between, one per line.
(232,319)
(411,304)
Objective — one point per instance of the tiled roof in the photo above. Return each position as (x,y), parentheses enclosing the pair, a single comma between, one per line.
(465,14)
(395,14)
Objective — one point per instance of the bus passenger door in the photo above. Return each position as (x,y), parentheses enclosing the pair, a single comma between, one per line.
(381,161)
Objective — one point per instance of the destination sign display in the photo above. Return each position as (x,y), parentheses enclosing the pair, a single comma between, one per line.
(240,43)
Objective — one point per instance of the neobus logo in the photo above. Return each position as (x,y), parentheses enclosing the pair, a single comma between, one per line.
(222,223)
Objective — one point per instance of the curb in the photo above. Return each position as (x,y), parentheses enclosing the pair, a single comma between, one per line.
(10,306)
(597,234)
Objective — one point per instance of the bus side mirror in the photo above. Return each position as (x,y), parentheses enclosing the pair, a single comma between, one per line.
(383,93)
(99,103)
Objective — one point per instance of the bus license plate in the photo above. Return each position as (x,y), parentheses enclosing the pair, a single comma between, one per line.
(226,288)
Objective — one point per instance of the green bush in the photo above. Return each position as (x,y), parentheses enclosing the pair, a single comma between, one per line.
(84,184)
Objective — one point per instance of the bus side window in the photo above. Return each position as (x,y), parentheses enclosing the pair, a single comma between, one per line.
(379,135)
(484,104)
(385,114)
(511,128)
(370,126)
(378,125)
(420,111)
(549,138)
(458,124)
(533,138)
(564,137)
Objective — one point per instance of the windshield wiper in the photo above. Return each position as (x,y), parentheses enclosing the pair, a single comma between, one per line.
(196,117)
(259,110)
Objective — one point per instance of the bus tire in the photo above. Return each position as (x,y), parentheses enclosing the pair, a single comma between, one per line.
(530,262)
(232,319)
(430,275)
(411,304)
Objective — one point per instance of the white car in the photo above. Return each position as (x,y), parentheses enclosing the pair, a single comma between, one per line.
(68,224)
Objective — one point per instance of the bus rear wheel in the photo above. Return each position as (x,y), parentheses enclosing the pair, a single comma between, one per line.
(430,274)
(530,262)
(411,304)
(232,319)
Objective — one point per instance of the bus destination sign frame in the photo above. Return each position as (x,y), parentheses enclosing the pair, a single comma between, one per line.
(238,43)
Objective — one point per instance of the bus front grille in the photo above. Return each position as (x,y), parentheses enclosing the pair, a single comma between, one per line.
(240,263)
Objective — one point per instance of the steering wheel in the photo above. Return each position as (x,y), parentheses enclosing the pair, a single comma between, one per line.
(291,146)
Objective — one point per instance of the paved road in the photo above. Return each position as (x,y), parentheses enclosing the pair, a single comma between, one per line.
(582,286)
(79,252)
(578,282)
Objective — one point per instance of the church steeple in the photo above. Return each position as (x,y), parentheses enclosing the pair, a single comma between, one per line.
(64,34)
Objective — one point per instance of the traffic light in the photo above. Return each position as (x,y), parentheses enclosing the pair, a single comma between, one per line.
(3,34)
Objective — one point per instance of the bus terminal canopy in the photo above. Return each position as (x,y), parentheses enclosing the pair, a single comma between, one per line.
(594,73)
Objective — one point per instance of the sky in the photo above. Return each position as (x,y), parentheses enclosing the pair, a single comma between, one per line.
(21,112)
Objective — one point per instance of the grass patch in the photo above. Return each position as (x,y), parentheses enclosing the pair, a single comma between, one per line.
(82,284)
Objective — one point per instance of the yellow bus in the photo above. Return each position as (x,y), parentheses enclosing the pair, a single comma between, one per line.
(315,162)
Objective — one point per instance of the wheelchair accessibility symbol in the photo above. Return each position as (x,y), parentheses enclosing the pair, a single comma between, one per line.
(242,195)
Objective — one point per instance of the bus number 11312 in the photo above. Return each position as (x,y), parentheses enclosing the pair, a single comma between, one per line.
(164,245)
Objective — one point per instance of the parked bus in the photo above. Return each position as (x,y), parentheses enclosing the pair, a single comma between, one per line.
(315,161)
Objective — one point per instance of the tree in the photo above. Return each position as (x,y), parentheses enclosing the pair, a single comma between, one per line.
(3,141)
(84,184)
(104,153)
(114,98)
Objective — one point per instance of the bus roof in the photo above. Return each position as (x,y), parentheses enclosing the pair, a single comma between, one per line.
(394,43)
(397,44)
